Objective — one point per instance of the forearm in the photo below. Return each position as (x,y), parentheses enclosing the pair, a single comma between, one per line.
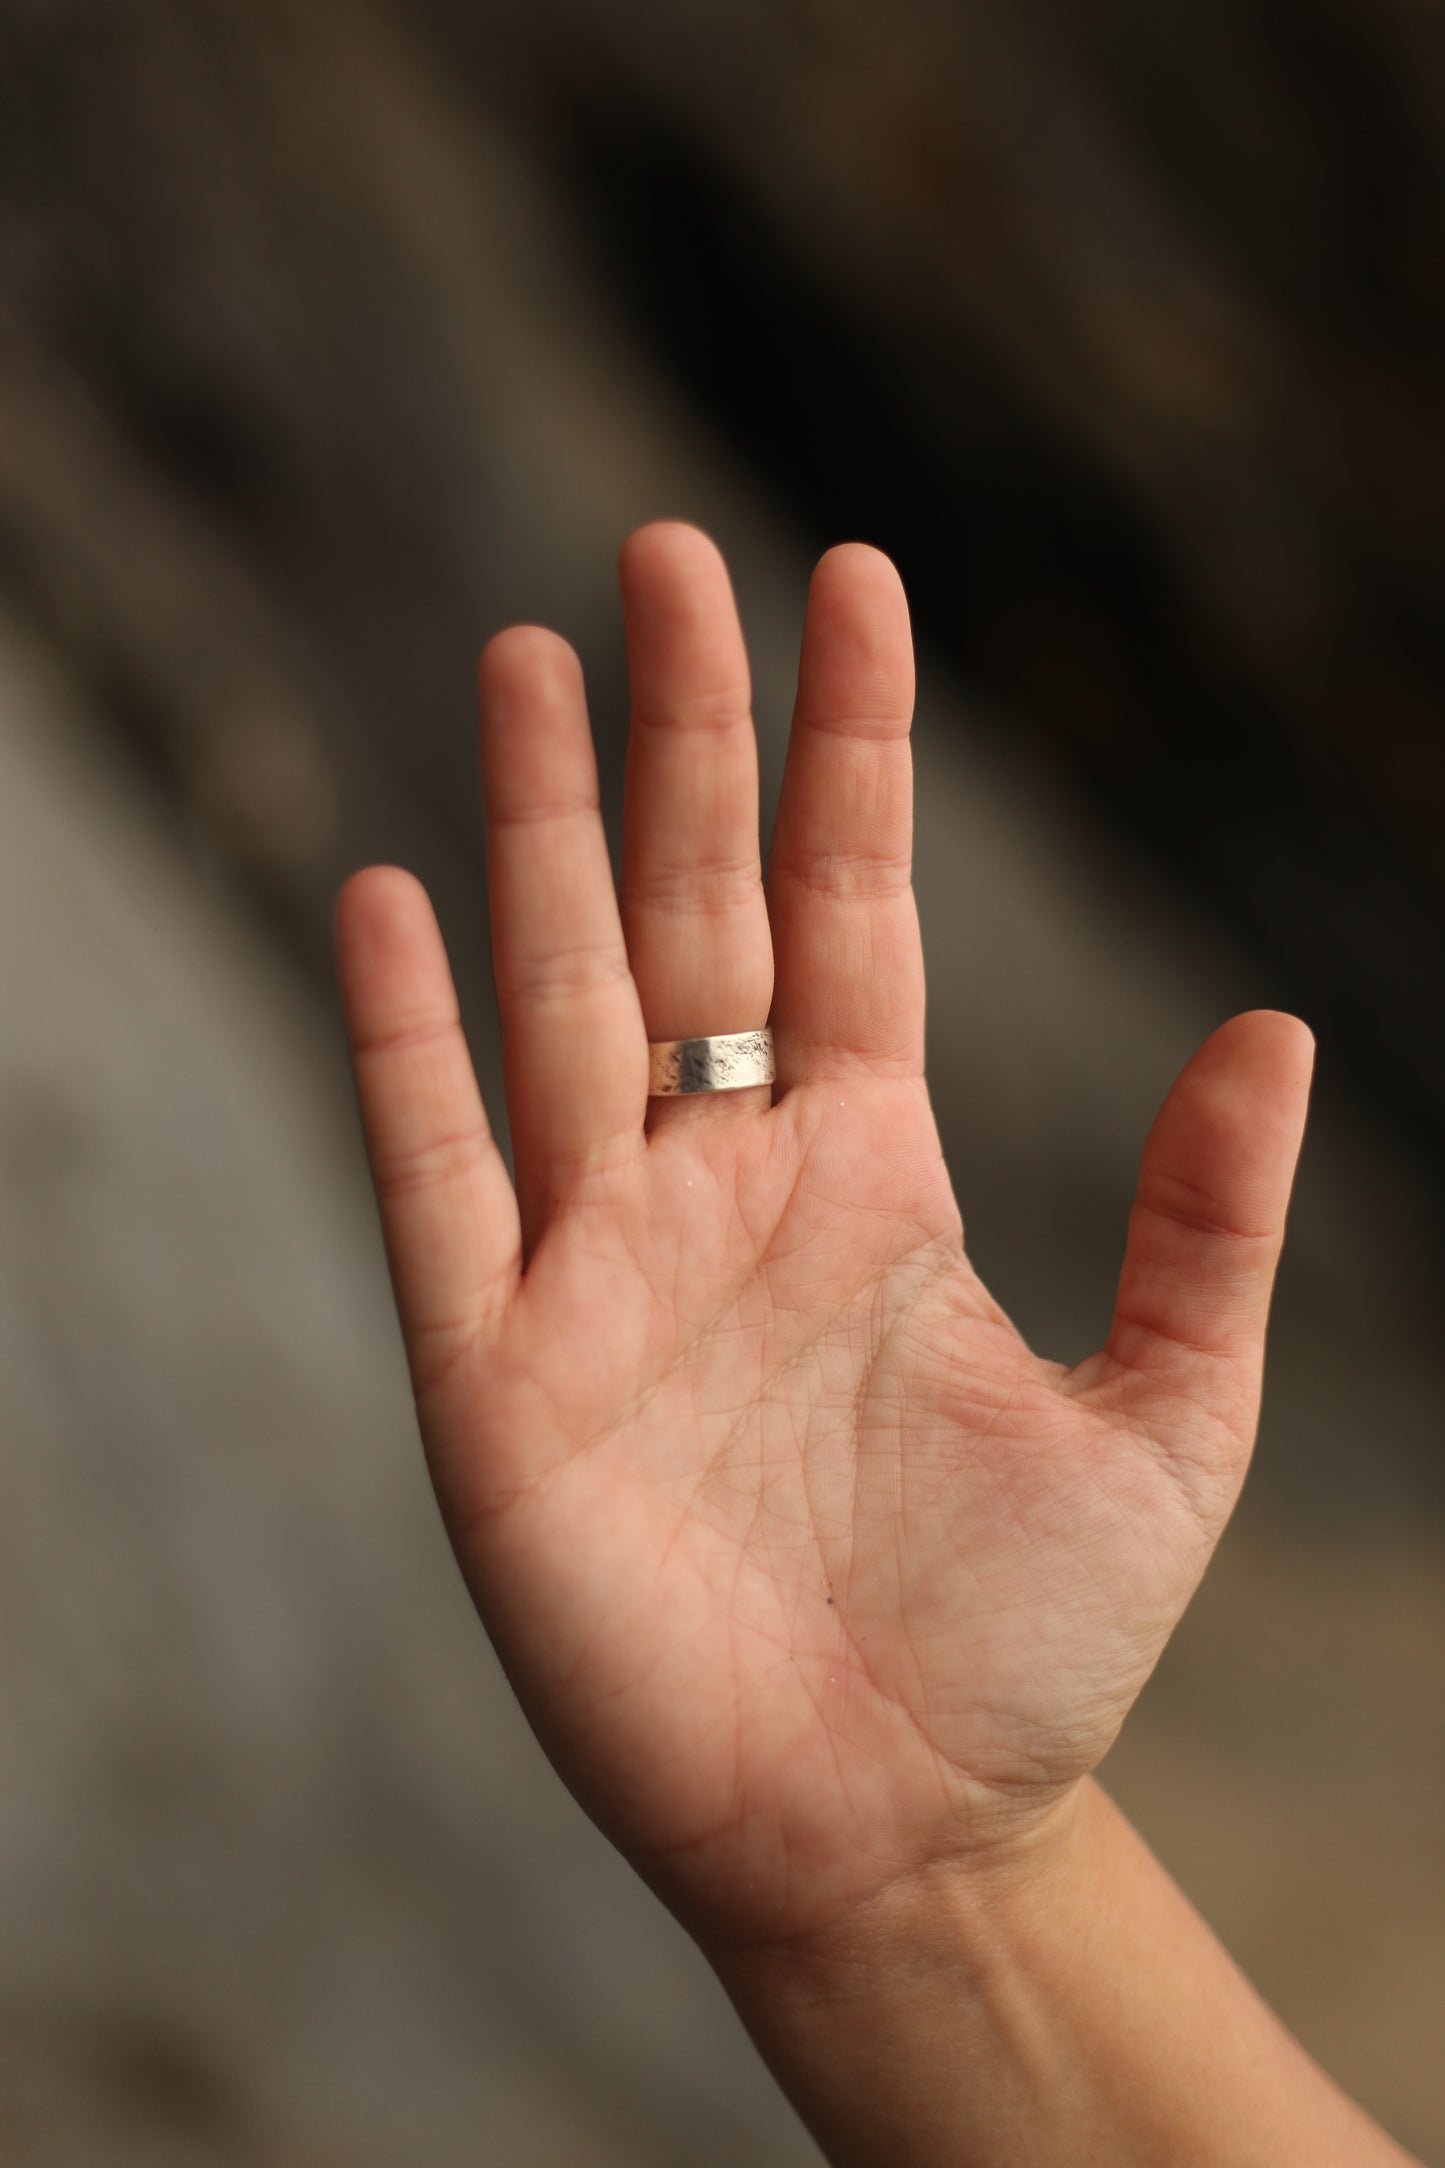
(1077,2010)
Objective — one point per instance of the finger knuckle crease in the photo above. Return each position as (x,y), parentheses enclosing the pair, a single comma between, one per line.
(1183,1206)
(414,1037)
(862,875)
(432,1163)
(718,884)
(721,710)
(864,723)
(565,974)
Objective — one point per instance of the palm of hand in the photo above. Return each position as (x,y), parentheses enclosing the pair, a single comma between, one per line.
(805,1569)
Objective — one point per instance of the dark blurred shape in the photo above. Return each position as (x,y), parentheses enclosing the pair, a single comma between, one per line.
(1122,327)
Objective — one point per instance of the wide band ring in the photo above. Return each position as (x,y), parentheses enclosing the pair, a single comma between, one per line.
(723,1064)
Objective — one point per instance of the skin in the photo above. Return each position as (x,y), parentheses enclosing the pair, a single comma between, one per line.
(819,1586)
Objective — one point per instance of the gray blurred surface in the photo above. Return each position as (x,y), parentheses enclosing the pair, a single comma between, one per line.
(284,1878)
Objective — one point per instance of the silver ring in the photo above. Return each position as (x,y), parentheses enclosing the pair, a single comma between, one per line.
(722,1064)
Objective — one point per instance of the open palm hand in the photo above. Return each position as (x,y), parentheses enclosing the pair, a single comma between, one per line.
(806,1570)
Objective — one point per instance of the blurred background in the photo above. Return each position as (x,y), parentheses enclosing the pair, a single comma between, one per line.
(332,336)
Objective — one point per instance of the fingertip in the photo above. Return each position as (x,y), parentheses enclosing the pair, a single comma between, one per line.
(679,609)
(526,658)
(860,565)
(535,742)
(1266,1055)
(1291,1042)
(389,950)
(857,662)
(666,548)
(379,887)
(1283,1033)
(371,901)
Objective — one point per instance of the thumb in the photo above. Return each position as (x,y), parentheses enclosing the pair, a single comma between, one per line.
(1205,1234)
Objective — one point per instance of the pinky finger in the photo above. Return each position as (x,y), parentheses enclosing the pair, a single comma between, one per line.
(448,1210)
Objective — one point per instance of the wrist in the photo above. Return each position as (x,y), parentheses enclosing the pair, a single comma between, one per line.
(968,1911)
(920,2025)
(1059,2002)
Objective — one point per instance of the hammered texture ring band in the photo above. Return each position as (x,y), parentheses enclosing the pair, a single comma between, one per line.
(722,1064)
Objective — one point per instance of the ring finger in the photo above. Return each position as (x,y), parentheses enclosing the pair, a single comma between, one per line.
(693,908)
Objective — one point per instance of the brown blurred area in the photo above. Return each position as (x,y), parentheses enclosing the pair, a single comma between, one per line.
(332,337)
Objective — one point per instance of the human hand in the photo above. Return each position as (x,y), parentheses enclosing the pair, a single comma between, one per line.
(808,1573)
